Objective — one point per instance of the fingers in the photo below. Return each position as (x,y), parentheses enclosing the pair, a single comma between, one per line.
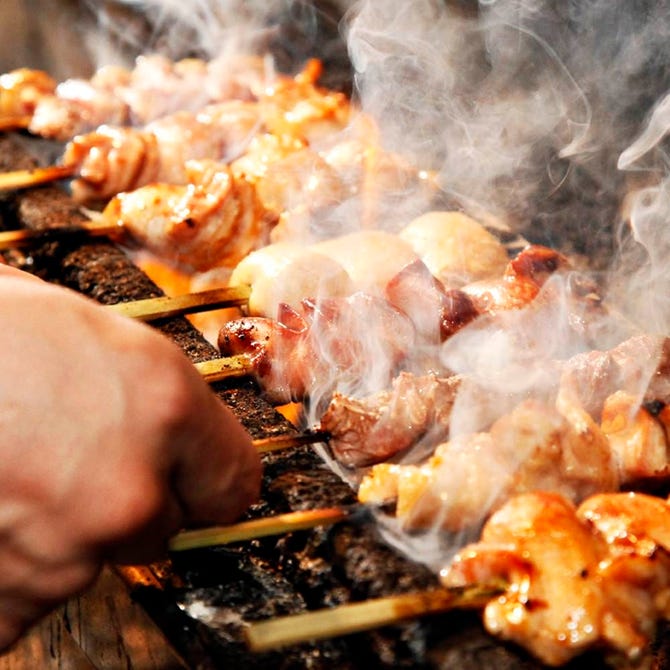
(110,440)
(217,471)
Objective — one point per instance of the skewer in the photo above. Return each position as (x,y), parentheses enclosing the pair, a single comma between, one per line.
(224,368)
(9,123)
(14,239)
(357,617)
(191,303)
(251,530)
(270,444)
(18,179)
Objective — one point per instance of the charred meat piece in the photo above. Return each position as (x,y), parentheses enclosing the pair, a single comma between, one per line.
(521,282)
(436,312)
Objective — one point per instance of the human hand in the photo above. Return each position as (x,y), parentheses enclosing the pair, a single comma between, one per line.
(109,443)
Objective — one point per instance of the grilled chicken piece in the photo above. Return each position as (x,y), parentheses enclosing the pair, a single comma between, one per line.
(630,522)
(380,427)
(291,179)
(329,344)
(155,87)
(521,282)
(534,447)
(299,107)
(577,578)
(640,366)
(637,437)
(114,159)
(214,220)
(439,312)
(22,89)
(77,106)
(436,312)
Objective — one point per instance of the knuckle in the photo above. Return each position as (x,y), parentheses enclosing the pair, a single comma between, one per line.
(138,501)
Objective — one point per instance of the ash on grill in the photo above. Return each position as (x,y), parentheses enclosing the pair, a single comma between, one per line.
(201,599)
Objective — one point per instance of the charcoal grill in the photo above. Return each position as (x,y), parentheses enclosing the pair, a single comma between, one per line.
(201,599)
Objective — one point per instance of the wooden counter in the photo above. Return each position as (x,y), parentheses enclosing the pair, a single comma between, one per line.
(102,629)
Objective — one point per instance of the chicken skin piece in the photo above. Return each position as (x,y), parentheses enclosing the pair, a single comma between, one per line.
(116,159)
(214,220)
(571,586)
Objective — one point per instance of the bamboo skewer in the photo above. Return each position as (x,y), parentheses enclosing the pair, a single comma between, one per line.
(15,239)
(357,617)
(9,123)
(256,528)
(270,444)
(191,303)
(218,369)
(18,179)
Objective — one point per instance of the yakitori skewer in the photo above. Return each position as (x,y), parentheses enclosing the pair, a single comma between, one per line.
(153,88)
(162,307)
(280,442)
(250,530)
(27,237)
(218,369)
(112,157)
(358,617)
(18,179)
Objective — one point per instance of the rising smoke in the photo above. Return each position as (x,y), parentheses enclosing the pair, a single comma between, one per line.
(548,116)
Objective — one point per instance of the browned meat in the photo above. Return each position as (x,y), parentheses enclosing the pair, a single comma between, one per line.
(328,345)
(154,88)
(577,578)
(377,428)
(521,282)
(213,220)
(436,312)
(638,439)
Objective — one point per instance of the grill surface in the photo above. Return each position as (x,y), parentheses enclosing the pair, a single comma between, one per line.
(223,587)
